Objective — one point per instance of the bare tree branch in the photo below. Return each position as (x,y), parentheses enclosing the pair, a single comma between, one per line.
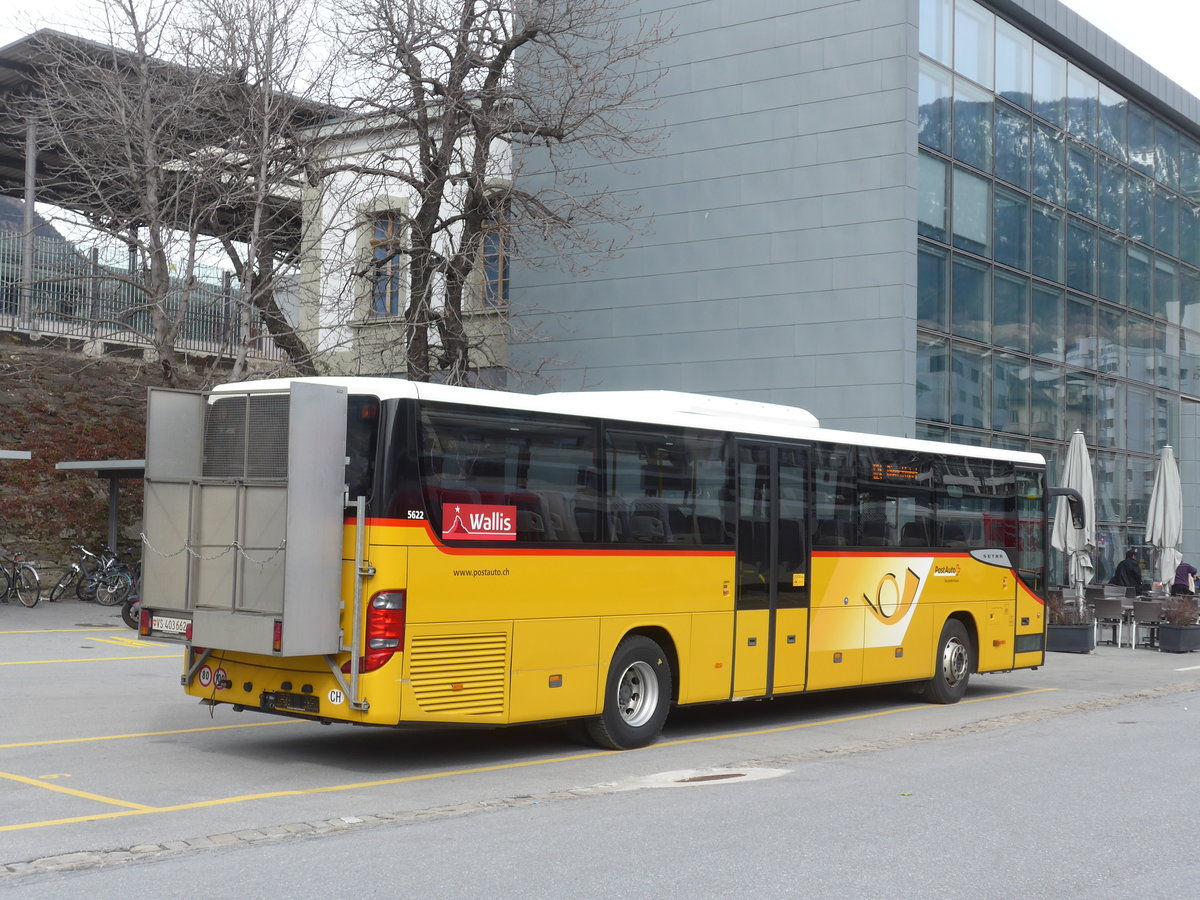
(180,132)
(475,85)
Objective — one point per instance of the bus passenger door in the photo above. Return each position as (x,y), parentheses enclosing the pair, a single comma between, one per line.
(771,631)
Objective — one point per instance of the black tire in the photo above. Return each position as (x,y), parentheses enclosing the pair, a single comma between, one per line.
(5,582)
(112,588)
(85,588)
(952,666)
(65,583)
(28,586)
(131,611)
(637,696)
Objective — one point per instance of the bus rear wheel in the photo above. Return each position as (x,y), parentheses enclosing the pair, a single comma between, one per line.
(952,665)
(637,696)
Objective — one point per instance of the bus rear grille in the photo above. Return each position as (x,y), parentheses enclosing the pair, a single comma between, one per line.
(464,674)
(246,436)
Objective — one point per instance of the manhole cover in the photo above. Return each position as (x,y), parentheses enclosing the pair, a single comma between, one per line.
(686,777)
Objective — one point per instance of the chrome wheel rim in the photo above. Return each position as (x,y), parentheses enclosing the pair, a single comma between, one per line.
(637,694)
(955,661)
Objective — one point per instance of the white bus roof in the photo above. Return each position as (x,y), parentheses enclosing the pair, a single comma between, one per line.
(677,408)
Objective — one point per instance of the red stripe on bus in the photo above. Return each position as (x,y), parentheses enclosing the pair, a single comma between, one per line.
(617,550)
(841,554)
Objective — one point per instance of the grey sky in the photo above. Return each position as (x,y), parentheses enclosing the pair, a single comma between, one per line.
(1162,32)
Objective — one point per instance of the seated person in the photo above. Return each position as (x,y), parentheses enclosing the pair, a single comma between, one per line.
(1129,572)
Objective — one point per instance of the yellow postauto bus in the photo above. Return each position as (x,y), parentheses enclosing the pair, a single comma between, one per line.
(382,552)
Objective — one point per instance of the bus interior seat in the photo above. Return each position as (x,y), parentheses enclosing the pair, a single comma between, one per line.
(876,533)
(561,516)
(954,535)
(529,502)
(587,520)
(616,520)
(651,508)
(647,529)
(830,534)
(915,534)
(530,526)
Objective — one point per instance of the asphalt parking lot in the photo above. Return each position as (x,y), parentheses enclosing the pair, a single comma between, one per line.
(100,750)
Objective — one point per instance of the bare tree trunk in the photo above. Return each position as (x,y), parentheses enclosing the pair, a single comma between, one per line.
(185,131)
(473,85)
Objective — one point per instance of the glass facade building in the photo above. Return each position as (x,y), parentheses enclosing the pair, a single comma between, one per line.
(1058,259)
(966,220)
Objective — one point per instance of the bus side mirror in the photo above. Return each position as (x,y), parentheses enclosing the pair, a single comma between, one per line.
(1074,501)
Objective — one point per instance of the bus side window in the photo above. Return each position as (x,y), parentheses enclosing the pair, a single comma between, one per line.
(976,503)
(508,458)
(835,497)
(362,439)
(666,487)
(894,498)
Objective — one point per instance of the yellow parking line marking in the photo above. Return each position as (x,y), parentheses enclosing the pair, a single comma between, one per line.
(147,734)
(44,662)
(64,630)
(34,782)
(128,642)
(480,770)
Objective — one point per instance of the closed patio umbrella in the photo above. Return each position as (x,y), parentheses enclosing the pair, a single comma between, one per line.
(1164,521)
(1077,543)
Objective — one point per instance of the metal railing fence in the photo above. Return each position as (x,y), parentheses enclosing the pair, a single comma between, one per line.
(76,296)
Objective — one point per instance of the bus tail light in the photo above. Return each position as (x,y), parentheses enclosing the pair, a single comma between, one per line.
(384,630)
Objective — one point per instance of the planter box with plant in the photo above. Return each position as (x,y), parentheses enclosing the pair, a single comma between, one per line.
(1179,632)
(1069,629)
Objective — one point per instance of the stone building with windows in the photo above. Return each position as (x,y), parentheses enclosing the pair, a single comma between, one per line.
(967,220)
(354,283)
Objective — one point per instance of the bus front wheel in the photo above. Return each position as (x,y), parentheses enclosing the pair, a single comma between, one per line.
(637,696)
(952,665)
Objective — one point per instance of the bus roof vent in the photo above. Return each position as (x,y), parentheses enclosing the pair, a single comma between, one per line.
(697,404)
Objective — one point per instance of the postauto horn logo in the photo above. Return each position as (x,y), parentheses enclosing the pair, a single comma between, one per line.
(479,522)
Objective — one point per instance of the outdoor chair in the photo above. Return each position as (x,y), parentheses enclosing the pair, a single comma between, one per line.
(1109,613)
(1147,615)
(1070,598)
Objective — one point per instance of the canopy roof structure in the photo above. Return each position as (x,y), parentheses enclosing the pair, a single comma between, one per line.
(114,470)
(21,63)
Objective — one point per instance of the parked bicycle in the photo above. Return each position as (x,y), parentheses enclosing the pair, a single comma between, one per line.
(19,577)
(87,563)
(102,577)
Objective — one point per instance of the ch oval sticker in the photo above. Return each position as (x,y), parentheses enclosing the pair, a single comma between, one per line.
(336,697)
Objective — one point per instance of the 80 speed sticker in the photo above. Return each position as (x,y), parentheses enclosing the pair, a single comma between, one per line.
(206,677)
